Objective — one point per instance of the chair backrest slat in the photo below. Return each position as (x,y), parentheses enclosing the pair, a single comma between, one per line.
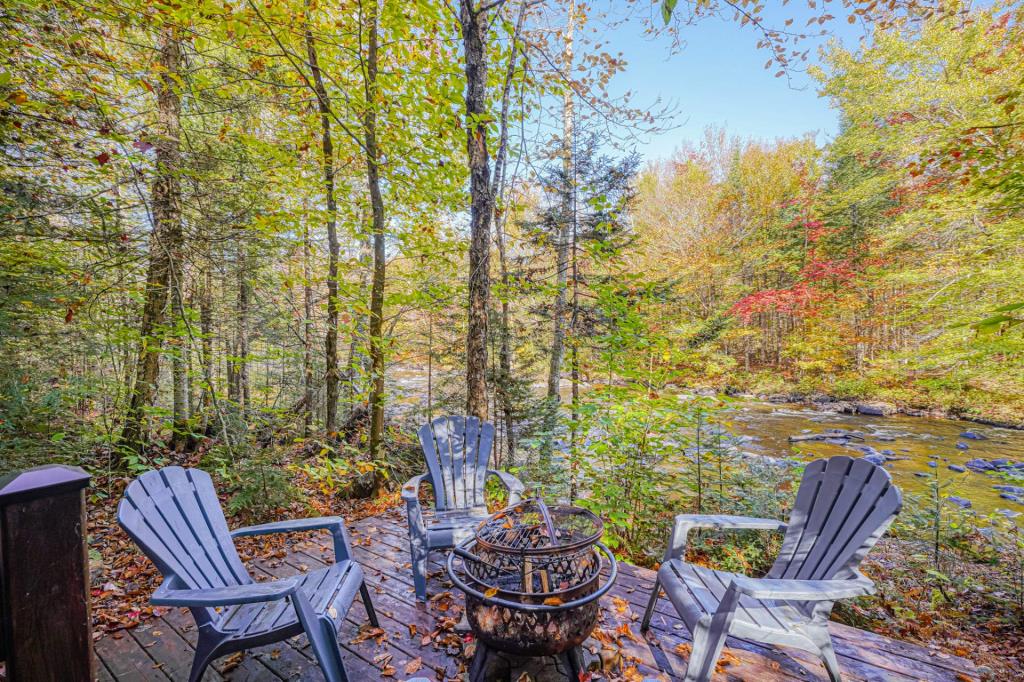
(842,507)
(457,450)
(175,517)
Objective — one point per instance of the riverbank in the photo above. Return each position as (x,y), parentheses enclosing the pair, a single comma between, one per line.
(862,396)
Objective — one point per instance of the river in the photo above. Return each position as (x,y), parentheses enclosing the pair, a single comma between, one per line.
(908,443)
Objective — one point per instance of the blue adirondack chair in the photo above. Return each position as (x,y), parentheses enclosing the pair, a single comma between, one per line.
(842,508)
(174,515)
(457,450)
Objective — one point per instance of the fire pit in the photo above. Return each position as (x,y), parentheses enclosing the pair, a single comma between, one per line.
(532,578)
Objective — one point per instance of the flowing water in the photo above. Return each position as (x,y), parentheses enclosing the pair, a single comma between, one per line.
(908,443)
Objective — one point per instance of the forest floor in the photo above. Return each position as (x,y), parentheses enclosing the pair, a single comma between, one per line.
(907,606)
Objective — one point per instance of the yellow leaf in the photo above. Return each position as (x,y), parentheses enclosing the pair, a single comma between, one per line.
(553,601)
(491,592)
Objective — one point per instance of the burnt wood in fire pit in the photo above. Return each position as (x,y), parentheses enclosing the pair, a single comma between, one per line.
(532,578)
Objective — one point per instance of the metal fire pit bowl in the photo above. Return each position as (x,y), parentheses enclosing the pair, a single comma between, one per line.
(532,578)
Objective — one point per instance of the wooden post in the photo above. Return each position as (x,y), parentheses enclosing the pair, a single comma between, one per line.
(45,629)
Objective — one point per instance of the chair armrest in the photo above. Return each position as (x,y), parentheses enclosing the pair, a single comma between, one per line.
(804,590)
(514,486)
(166,595)
(335,524)
(413,509)
(684,523)
(411,489)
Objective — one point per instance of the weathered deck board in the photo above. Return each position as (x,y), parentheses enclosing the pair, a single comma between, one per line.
(162,648)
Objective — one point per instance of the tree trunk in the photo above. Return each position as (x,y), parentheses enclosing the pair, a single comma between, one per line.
(327,150)
(206,328)
(179,367)
(379,255)
(242,332)
(504,379)
(165,242)
(562,245)
(307,333)
(474,36)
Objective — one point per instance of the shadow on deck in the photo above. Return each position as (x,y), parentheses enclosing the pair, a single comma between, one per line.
(418,640)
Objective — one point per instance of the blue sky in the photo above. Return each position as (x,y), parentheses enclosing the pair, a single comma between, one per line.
(718,78)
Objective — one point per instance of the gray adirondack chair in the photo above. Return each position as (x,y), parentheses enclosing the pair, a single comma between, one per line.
(174,515)
(456,450)
(842,508)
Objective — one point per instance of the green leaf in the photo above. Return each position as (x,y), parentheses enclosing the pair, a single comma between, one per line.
(667,7)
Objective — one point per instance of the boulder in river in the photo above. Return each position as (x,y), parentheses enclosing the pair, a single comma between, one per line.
(877,460)
(876,409)
(979,464)
(830,435)
(1012,489)
(960,445)
(1012,498)
(957,468)
(959,501)
(932,464)
(973,435)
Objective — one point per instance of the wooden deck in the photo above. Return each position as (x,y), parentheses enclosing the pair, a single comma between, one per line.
(421,636)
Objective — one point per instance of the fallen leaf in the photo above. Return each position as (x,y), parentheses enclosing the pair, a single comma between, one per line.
(413,665)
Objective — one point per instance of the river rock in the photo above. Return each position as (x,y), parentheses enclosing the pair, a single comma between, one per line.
(1012,489)
(960,445)
(837,436)
(973,435)
(889,453)
(877,460)
(1012,498)
(959,501)
(957,468)
(876,409)
(932,464)
(1001,463)
(979,464)
(920,474)
(865,450)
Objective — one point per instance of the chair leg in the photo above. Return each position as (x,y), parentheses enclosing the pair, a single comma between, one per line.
(205,649)
(655,593)
(707,647)
(324,641)
(368,605)
(828,654)
(419,552)
(323,638)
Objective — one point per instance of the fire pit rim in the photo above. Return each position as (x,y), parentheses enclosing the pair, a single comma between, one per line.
(541,608)
(560,548)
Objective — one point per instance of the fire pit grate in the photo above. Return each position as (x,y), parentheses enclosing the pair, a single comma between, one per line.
(532,578)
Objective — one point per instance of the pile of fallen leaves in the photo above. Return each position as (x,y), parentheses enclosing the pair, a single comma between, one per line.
(122,578)
(908,608)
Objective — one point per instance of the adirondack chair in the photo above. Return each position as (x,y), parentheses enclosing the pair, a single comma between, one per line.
(842,507)
(457,450)
(173,514)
